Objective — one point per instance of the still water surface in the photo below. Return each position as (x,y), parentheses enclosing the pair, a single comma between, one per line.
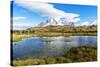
(49,46)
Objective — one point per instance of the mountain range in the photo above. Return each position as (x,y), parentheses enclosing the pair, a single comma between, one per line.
(53,22)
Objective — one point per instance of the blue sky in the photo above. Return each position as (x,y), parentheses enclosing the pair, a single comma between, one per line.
(29,14)
(87,13)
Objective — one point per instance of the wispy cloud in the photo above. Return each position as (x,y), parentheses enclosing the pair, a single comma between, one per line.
(89,23)
(21,25)
(47,10)
(94,22)
(84,23)
(18,18)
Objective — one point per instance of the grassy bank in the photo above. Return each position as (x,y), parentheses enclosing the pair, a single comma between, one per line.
(18,37)
(75,54)
(50,34)
(54,31)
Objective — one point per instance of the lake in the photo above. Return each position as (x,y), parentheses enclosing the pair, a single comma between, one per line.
(49,46)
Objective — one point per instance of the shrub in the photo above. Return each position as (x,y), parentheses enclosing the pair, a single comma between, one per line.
(50,60)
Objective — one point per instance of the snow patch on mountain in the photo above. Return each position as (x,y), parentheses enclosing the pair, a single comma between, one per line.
(52,22)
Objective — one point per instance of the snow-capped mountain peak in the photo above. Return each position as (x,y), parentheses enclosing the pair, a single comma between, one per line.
(51,21)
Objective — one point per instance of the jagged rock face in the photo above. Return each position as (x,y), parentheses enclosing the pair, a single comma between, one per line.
(50,22)
(53,22)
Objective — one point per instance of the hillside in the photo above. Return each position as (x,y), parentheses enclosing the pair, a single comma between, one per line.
(59,30)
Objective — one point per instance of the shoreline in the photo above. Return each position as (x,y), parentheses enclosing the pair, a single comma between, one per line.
(75,54)
(18,37)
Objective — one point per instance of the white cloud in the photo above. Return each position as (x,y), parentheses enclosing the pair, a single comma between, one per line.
(47,10)
(89,23)
(18,18)
(84,23)
(72,19)
(22,26)
(94,22)
(19,25)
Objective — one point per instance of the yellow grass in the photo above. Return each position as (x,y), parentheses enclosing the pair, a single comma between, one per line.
(16,37)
